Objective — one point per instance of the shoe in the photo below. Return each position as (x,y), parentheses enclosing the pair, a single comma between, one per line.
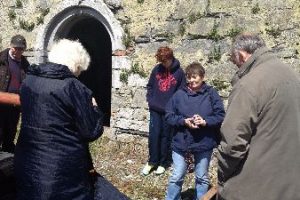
(160,170)
(147,169)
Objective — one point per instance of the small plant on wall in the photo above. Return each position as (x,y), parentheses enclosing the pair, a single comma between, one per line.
(39,20)
(193,17)
(255,9)
(43,13)
(215,54)
(140,1)
(124,76)
(232,33)
(26,25)
(220,84)
(12,15)
(182,29)
(19,4)
(275,32)
(127,38)
(135,69)
(213,34)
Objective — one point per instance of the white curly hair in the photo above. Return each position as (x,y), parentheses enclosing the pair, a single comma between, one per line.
(71,54)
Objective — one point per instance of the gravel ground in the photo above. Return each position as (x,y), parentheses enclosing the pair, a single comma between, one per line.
(120,160)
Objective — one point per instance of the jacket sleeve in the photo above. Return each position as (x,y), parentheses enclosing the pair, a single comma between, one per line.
(88,118)
(171,115)
(150,86)
(236,131)
(218,113)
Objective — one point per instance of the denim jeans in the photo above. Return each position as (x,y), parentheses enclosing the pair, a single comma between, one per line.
(202,160)
(159,139)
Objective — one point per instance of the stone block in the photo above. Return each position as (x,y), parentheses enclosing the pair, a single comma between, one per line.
(139,98)
(135,80)
(202,26)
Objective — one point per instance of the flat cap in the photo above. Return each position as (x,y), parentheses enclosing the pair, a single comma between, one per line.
(18,41)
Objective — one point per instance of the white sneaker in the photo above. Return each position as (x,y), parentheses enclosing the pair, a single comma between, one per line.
(147,169)
(160,170)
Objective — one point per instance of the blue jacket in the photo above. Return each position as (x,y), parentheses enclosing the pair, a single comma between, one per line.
(58,121)
(163,83)
(184,104)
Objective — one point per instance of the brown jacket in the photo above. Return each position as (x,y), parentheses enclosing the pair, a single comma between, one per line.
(4,70)
(258,158)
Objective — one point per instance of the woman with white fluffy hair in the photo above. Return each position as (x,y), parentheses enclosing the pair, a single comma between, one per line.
(71,54)
(59,119)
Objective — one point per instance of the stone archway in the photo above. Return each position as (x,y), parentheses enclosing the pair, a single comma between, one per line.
(100,33)
(94,37)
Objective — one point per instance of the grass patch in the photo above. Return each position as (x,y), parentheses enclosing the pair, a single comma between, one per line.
(121,163)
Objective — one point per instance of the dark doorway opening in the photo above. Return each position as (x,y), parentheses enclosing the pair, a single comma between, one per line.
(94,37)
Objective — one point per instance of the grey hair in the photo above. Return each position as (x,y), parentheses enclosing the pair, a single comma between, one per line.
(70,53)
(247,42)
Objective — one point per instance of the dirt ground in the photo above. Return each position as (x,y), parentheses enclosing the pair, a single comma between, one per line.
(120,160)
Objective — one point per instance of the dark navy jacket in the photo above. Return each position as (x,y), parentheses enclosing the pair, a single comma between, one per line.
(58,121)
(163,83)
(184,104)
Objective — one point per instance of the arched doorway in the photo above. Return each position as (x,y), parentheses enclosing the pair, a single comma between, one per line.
(94,37)
(93,24)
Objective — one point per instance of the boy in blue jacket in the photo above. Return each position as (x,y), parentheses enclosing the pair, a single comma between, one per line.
(195,112)
(165,79)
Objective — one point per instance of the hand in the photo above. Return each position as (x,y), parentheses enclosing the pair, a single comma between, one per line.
(199,121)
(94,102)
(189,122)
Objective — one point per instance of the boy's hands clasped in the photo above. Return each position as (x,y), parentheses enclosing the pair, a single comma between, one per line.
(195,122)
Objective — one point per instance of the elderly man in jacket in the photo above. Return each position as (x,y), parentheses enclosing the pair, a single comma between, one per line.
(258,157)
(12,71)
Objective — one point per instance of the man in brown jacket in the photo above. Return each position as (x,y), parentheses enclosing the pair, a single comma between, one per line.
(12,71)
(258,158)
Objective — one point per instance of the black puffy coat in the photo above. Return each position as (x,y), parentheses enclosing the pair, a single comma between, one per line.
(58,121)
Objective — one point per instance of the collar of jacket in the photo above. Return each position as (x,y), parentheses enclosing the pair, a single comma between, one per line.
(51,70)
(4,57)
(250,64)
(203,89)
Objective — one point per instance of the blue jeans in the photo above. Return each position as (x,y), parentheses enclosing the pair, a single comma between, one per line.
(159,139)
(202,160)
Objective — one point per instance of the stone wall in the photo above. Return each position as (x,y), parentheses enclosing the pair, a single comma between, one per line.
(197,30)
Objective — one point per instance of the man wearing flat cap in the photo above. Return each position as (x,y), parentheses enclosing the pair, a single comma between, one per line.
(12,71)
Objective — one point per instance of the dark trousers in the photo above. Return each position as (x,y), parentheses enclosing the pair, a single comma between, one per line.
(9,118)
(159,139)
